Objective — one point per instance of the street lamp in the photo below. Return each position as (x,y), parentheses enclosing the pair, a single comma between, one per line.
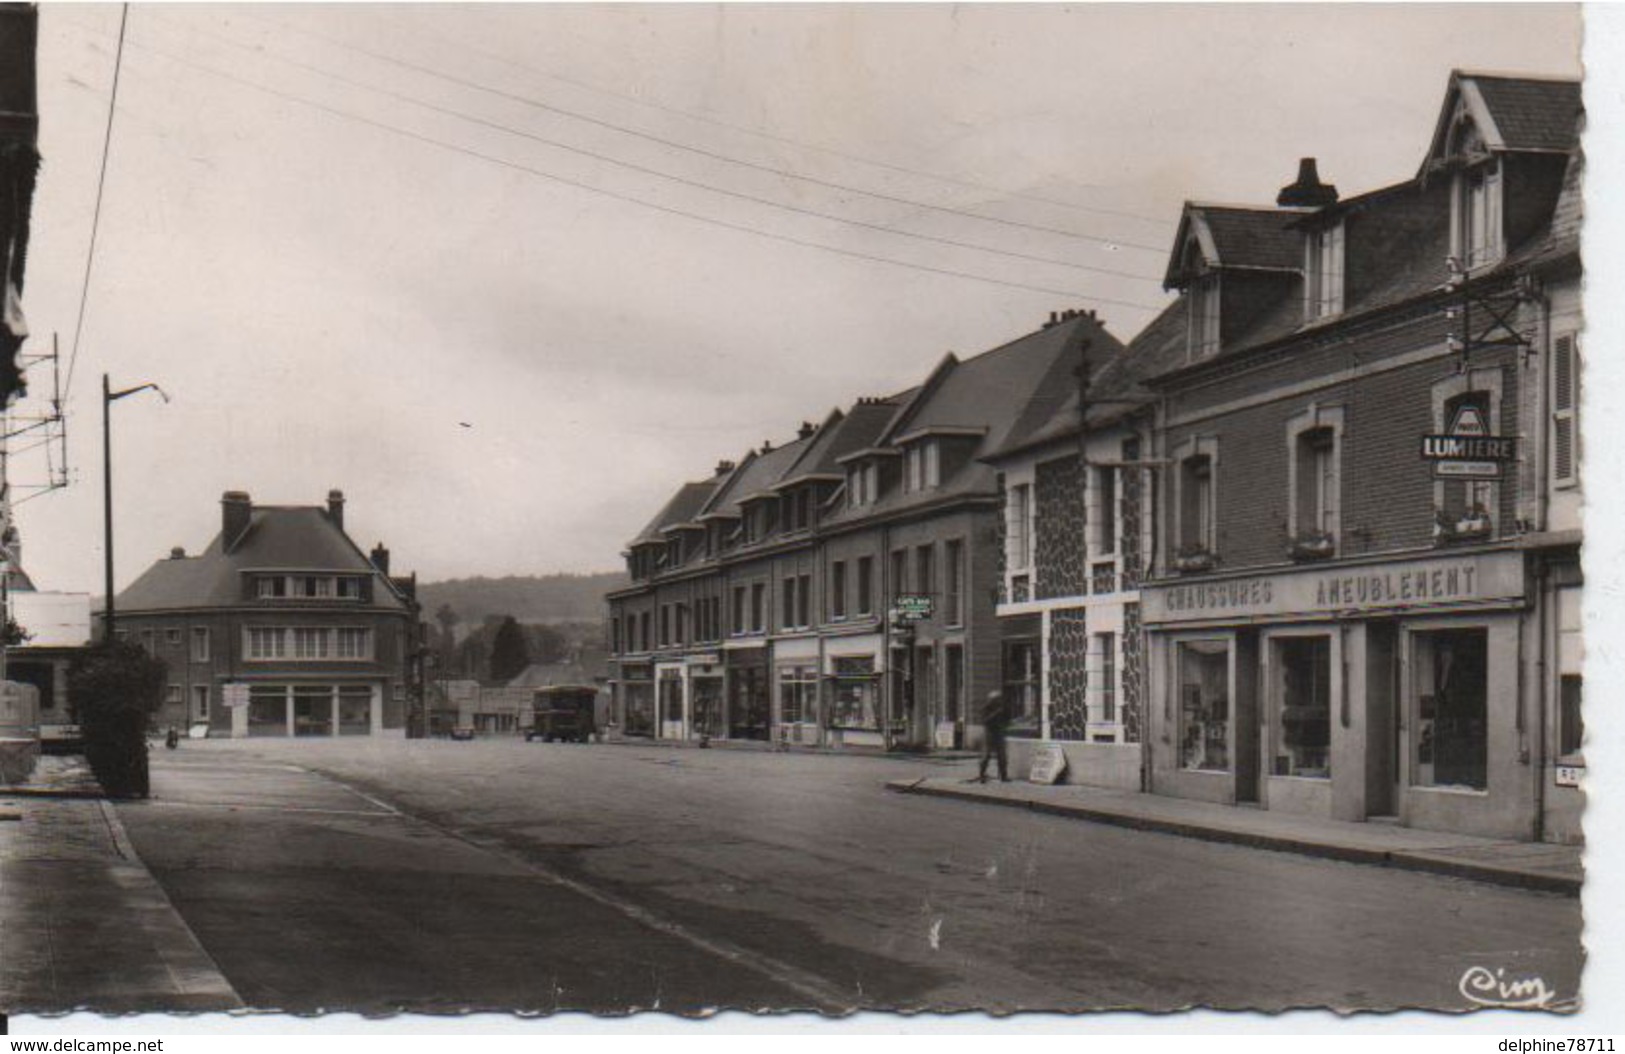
(110,397)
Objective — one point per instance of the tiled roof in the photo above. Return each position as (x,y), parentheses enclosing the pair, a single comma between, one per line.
(1531,113)
(857,430)
(682,508)
(278,537)
(1255,237)
(755,475)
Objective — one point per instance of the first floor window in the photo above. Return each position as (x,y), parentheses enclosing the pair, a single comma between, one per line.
(1451,671)
(1196,504)
(798,694)
(866,585)
(354,642)
(1204,705)
(267,642)
(739,609)
(310,643)
(172,696)
(1023,667)
(1303,735)
(200,644)
(758,607)
(837,590)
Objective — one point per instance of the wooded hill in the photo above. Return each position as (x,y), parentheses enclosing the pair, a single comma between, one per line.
(528,598)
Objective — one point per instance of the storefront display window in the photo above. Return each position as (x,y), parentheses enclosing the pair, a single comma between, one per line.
(1204,705)
(1451,692)
(1303,731)
(267,710)
(708,706)
(855,705)
(637,698)
(671,695)
(1023,668)
(355,710)
(798,694)
(747,702)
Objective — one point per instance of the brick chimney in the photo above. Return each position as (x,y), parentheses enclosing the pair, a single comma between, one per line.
(724,467)
(805,430)
(335,508)
(235,510)
(380,558)
(177,553)
(1308,190)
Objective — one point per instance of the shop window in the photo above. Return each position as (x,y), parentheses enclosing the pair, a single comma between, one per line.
(312,710)
(855,702)
(1451,691)
(637,696)
(707,706)
(1204,705)
(1570,724)
(267,710)
(1023,670)
(671,695)
(798,694)
(747,703)
(1565,407)
(355,709)
(1303,729)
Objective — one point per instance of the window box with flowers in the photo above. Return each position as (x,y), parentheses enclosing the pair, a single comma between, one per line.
(1471,525)
(1194,557)
(1312,545)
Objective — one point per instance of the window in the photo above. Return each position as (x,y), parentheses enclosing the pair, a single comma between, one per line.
(670,689)
(1565,405)
(267,588)
(1303,686)
(354,642)
(953,599)
(267,642)
(1023,667)
(899,572)
(866,585)
(1323,273)
(665,625)
(1203,305)
(922,465)
(173,697)
(758,607)
(1204,705)
(643,629)
(680,619)
(147,639)
(739,609)
(200,644)
(1469,500)
(854,704)
(200,702)
(1478,210)
(788,597)
(798,694)
(1020,526)
(1196,505)
(953,702)
(1106,682)
(925,571)
(310,643)
(1106,509)
(1570,726)
(172,637)
(1451,686)
(837,590)
(804,601)
(615,636)
(1315,482)
(855,487)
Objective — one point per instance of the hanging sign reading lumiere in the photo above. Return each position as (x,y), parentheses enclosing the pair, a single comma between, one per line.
(1468,451)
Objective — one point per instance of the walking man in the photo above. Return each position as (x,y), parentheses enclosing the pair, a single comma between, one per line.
(995,722)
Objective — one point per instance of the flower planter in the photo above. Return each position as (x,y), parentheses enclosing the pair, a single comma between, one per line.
(1198,560)
(1312,547)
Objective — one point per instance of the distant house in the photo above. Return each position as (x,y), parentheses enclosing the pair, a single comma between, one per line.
(58,629)
(312,636)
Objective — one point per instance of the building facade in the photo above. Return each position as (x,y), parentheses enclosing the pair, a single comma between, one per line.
(839,590)
(281,627)
(1366,602)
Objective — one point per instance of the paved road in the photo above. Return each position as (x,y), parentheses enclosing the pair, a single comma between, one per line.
(431,874)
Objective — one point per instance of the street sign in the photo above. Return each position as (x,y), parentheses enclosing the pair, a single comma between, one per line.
(1569,775)
(234,694)
(1048,764)
(1467,450)
(911,608)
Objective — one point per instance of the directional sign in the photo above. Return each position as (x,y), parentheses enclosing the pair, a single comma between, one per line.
(912,608)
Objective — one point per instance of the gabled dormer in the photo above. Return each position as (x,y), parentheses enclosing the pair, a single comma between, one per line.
(1503,143)
(1232,263)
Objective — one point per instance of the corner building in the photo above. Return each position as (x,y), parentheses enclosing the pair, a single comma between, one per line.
(1366,601)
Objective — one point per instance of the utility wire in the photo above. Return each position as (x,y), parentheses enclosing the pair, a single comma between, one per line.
(717,122)
(657,173)
(101,184)
(702,152)
(602,191)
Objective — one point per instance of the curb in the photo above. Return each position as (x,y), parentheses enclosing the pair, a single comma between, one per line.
(1408,860)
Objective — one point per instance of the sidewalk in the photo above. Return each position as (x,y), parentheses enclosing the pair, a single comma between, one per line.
(83,924)
(1530,865)
(762,746)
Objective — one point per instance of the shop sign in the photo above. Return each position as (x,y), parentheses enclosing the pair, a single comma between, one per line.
(1376,587)
(1570,775)
(1468,451)
(911,608)
(1049,763)
(706,659)
(234,694)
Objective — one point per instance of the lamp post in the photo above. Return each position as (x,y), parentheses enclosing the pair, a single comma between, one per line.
(110,397)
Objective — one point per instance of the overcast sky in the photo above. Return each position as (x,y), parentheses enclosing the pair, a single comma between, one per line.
(508,318)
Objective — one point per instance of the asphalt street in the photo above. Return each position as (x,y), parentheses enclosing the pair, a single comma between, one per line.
(376,875)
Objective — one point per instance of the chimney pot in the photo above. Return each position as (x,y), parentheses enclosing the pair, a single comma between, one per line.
(380,559)
(1307,189)
(335,508)
(236,508)
(177,553)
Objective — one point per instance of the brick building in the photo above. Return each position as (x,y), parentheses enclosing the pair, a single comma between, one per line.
(762,598)
(283,604)
(1366,601)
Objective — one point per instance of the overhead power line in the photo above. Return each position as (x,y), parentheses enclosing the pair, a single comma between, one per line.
(713,155)
(101,184)
(660,174)
(605,192)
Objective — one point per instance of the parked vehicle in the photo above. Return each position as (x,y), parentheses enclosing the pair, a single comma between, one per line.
(462,732)
(564,712)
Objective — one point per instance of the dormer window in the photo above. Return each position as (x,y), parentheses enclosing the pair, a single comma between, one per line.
(863,484)
(1203,300)
(922,466)
(1479,241)
(1323,273)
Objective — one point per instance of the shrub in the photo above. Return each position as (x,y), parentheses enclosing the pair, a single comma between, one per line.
(113,692)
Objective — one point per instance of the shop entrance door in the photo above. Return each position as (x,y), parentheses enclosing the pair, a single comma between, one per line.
(1248,774)
(1382,720)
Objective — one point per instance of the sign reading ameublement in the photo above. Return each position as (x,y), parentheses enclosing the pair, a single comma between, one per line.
(1487,578)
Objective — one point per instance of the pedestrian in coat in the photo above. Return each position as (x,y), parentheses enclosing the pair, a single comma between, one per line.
(995,723)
